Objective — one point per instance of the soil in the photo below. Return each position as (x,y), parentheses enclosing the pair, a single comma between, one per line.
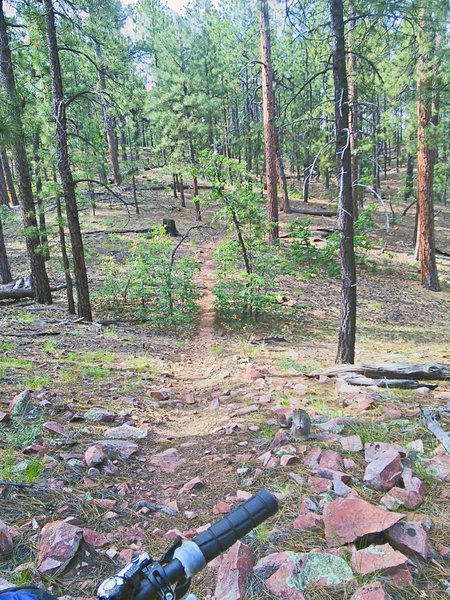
(71,366)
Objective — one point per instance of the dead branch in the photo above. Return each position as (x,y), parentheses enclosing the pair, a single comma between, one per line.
(436,429)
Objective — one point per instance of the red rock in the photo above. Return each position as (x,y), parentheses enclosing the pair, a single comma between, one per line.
(389,412)
(278,583)
(245,410)
(193,484)
(401,576)
(168,461)
(4,417)
(422,391)
(440,466)
(362,403)
(351,443)
(373,450)
(288,459)
(119,448)
(312,458)
(349,464)
(94,455)
(243,495)
(173,534)
(332,475)
(347,519)
(307,522)
(409,537)
(125,556)
(372,591)
(253,374)
(267,565)
(442,396)
(159,395)
(280,438)
(320,484)
(54,427)
(6,542)
(34,449)
(58,544)
(376,558)
(329,459)
(340,489)
(265,458)
(384,471)
(94,539)
(233,572)
(411,496)
(222,508)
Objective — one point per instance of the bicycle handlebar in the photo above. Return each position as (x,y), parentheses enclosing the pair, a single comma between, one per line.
(192,556)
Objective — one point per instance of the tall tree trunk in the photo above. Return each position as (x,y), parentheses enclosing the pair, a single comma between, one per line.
(5,271)
(107,119)
(40,204)
(65,173)
(4,199)
(41,285)
(353,115)
(285,204)
(347,332)
(270,137)
(123,139)
(65,258)
(13,200)
(409,177)
(425,161)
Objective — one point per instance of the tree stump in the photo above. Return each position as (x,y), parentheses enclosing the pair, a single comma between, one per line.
(171,228)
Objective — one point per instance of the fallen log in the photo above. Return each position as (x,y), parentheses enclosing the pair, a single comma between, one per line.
(393,371)
(314,213)
(112,231)
(408,384)
(436,429)
(24,292)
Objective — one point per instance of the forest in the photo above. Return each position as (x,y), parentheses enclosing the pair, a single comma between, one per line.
(225,266)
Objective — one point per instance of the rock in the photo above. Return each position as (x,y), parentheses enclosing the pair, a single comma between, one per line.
(58,544)
(376,558)
(159,395)
(409,537)
(329,459)
(320,485)
(373,450)
(253,374)
(94,539)
(54,427)
(267,565)
(401,576)
(439,466)
(280,438)
(21,404)
(94,455)
(4,584)
(233,572)
(340,488)
(119,448)
(288,459)
(362,402)
(193,484)
(415,446)
(282,584)
(422,391)
(410,496)
(307,522)
(312,458)
(126,432)
(347,519)
(372,591)
(99,415)
(351,443)
(323,569)
(383,472)
(222,508)
(4,417)
(6,542)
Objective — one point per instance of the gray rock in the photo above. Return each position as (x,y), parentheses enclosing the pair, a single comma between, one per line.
(126,432)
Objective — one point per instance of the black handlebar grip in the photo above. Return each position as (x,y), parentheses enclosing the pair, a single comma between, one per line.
(240,521)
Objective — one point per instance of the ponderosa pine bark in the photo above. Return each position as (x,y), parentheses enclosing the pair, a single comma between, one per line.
(40,204)
(347,331)
(108,120)
(425,161)
(41,287)
(5,271)
(11,190)
(65,172)
(3,190)
(270,136)
(353,115)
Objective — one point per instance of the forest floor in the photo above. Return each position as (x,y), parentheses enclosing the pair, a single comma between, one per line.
(210,396)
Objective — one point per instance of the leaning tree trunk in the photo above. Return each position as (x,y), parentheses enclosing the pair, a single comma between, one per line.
(41,287)
(108,121)
(13,200)
(5,271)
(65,173)
(425,163)
(347,332)
(270,137)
